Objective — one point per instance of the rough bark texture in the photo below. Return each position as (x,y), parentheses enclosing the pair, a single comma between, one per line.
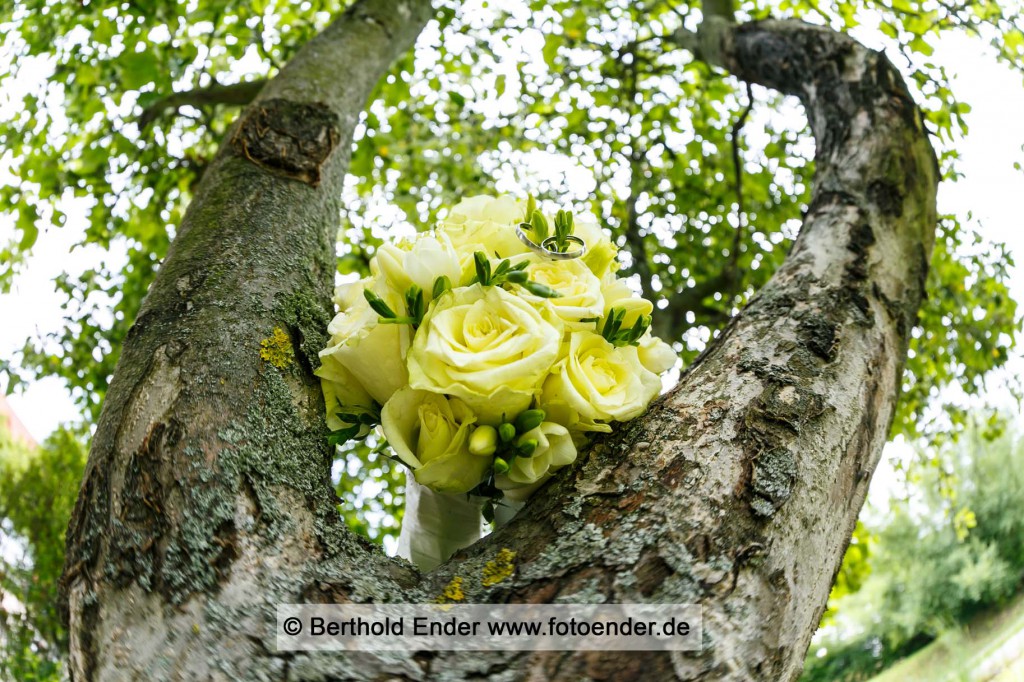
(206,501)
(207,489)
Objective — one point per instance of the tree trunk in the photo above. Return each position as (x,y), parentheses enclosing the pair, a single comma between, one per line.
(206,501)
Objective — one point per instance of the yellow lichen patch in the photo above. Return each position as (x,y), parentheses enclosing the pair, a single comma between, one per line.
(452,592)
(500,569)
(277,349)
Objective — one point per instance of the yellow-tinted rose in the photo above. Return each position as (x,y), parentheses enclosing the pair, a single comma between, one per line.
(601,253)
(420,263)
(617,294)
(373,353)
(341,390)
(579,290)
(559,411)
(350,293)
(486,347)
(601,381)
(487,224)
(504,209)
(656,355)
(431,433)
(555,450)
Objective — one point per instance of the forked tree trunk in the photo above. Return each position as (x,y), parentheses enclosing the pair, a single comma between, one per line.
(206,501)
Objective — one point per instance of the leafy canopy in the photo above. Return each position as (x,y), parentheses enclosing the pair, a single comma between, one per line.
(700,180)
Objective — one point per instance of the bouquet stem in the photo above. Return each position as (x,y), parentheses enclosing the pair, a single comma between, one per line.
(436,525)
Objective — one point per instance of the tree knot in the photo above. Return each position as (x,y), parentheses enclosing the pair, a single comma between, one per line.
(290,138)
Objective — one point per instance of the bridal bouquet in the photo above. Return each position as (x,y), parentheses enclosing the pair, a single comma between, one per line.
(487,351)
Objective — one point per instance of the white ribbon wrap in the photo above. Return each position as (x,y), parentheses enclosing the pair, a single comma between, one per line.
(514,500)
(506,509)
(436,525)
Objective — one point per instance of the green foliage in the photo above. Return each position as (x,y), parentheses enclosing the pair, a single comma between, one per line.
(854,570)
(560,98)
(76,141)
(966,327)
(37,493)
(929,570)
(612,331)
(369,487)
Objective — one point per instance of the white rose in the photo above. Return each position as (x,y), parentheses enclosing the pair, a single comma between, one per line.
(579,290)
(342,391)
(601,381)
(421,263)
(555,450)
(373,353)
(431,434)
(486,347)
(617,294)
(656,355)
(485,224)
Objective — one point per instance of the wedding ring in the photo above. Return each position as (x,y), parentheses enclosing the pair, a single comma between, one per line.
(554,254)
(548,247)
(525,239)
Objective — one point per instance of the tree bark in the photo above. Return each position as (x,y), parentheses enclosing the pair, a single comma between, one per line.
(206,501)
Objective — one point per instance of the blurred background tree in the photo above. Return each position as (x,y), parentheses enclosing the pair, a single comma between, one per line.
(950,554)
(38,487)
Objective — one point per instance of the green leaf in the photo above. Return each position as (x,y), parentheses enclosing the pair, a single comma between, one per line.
(414,304)
(342,436)
(483,268)
(27,217)
(538,289)
(550,52)
(138,69)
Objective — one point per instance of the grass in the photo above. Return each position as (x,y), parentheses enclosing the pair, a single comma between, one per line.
(968,654)
(1014,673)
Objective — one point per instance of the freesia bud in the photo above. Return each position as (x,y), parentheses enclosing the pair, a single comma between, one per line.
(517,277)
(527,447)
(484,441)
(529,420)
(507,432)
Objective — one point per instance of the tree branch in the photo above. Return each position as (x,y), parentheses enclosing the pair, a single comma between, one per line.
(711,42)
(737,165)
(741,488)
(723,9)
(671,322)
(205,502)
(634,240)
(209,469)
(237,94)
